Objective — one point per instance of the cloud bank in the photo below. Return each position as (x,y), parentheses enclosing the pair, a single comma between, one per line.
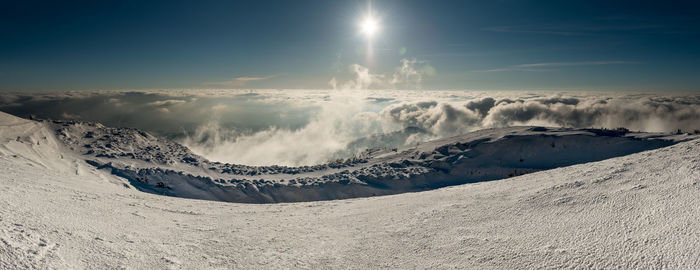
(303,127)
(643,113)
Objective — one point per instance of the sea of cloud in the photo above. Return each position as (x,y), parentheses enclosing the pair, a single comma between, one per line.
(302,127)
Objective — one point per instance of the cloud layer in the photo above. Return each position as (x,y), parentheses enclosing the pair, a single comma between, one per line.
(644,113)
(302,127)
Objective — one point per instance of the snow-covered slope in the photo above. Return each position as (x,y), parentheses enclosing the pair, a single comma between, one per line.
(32,142)
(164,167)
(638,211)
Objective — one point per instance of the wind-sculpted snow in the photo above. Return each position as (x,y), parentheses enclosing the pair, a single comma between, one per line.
(164,167)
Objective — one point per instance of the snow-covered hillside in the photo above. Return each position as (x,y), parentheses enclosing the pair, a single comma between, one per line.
(638,211)
(164,167)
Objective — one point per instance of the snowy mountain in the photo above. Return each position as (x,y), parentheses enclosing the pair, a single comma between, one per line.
(633,211)
(156,165)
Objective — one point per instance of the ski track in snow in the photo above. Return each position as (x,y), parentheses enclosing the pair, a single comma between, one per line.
(636,211)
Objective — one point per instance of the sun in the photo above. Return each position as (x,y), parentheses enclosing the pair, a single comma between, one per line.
(369,26)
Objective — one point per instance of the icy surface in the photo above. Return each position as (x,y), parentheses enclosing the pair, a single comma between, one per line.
(638,211)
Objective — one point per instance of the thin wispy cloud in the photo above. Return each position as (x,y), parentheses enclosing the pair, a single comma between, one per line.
(238,81)
(549,30)
(581,29)
(494,70)
(569,64)
(539,67)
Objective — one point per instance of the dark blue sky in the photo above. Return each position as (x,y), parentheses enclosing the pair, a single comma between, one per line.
(559,45)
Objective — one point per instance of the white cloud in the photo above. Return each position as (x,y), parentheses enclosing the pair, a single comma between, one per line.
(166,103)
(409,75)
(219,107)
(344,119)
(66,115)
(248,127)
(362,81)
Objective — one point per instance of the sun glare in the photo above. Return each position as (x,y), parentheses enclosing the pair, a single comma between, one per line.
(369,26)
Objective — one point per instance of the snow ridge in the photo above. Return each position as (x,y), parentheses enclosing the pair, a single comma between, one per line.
(160,166)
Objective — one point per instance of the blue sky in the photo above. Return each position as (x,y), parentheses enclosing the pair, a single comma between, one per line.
(523,45)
